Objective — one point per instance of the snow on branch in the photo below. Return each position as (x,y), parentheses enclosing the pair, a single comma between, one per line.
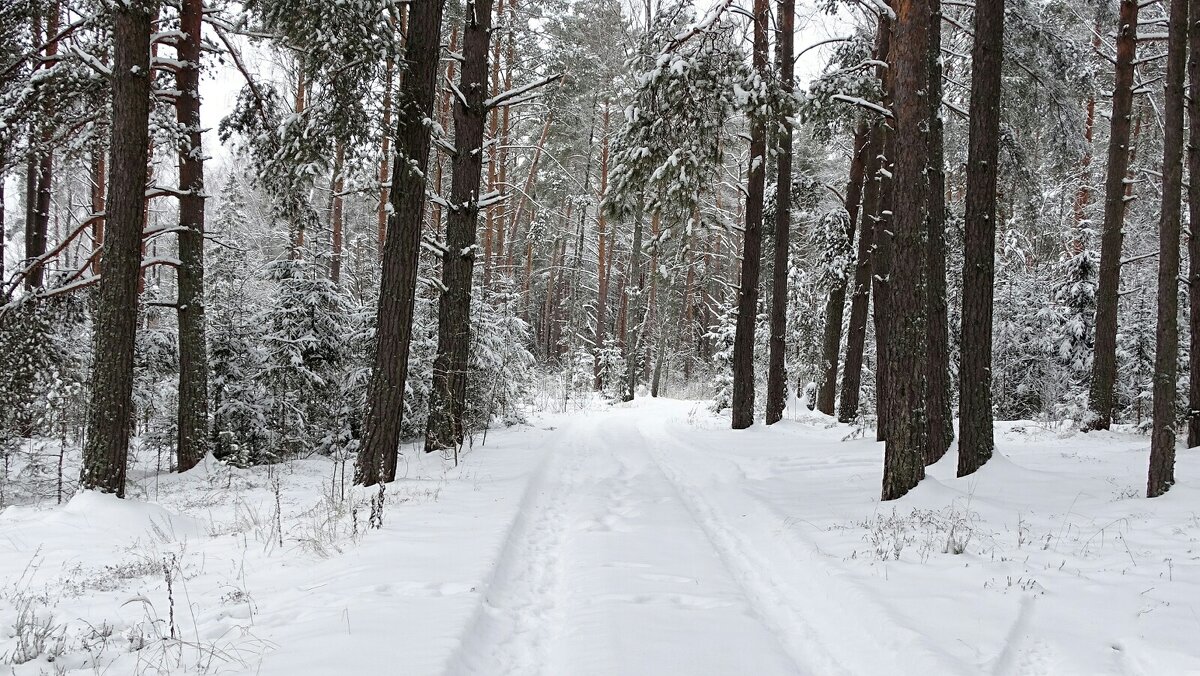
(507,97)
(854,100)
(699,27)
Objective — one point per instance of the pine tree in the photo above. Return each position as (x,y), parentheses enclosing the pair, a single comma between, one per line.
(776,370)
(458,261)
(1104,365)
(110,413)
(976,444)
(743,344)
(1166,352)
(906,399)
(393,326)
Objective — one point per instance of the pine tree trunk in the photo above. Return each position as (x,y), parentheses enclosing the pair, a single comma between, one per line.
(1193,160)
(31,181)
(45,177)
(385,150)
(777,370)
(856,332)
(337,213)
(1166,353)
(99,174)
(110,411)
(881,257)
(1104,363)
(193,346)
(447,396)
(602,253)
(976,442)
(402,248)
(298,225)
(633,329)
(505,139)
(835,302)
(908,431)
(450,366)
(941,420)
(743,342)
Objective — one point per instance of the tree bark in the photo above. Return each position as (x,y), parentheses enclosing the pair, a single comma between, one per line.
(835,301)
(602,253)
(856,337)
(976,441)
(1193,160)
(337,213)
(633,329)
(941,420)
(777,369)
(881,256)
(908,430)
(193,346)
(743,341)
(110,411)
(1104,363)
(1166,354)
(447,396)
(402,248)
(385,149)
(493,159)
(99,174)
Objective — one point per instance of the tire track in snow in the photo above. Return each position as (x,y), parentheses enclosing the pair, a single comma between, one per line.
(513,626)
(866,637)
(766,598)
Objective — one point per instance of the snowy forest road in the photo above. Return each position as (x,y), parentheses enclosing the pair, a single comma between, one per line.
(634,553)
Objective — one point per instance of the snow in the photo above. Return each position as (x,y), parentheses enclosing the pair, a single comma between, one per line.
(642,538)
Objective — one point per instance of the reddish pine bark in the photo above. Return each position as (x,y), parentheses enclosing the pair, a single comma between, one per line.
(907,431)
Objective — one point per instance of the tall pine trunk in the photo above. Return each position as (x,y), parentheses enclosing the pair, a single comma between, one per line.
(385,150)
(881,255)
(907,363)
(873,186)
(976,443)
(941,422)
(193,347)
(337,213)
(777,371)
(632,300)
(603,254)
(1166,353)
(743,341)
(835,301)
(1193,160)
(402,248)
(110,410)
(447,396)
(1104,363)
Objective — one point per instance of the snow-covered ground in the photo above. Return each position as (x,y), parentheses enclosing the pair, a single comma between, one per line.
(634,539)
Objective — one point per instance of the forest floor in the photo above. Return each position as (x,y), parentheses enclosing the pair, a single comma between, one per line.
(642,538)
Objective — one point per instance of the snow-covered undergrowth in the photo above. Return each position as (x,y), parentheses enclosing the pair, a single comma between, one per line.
(642,538)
